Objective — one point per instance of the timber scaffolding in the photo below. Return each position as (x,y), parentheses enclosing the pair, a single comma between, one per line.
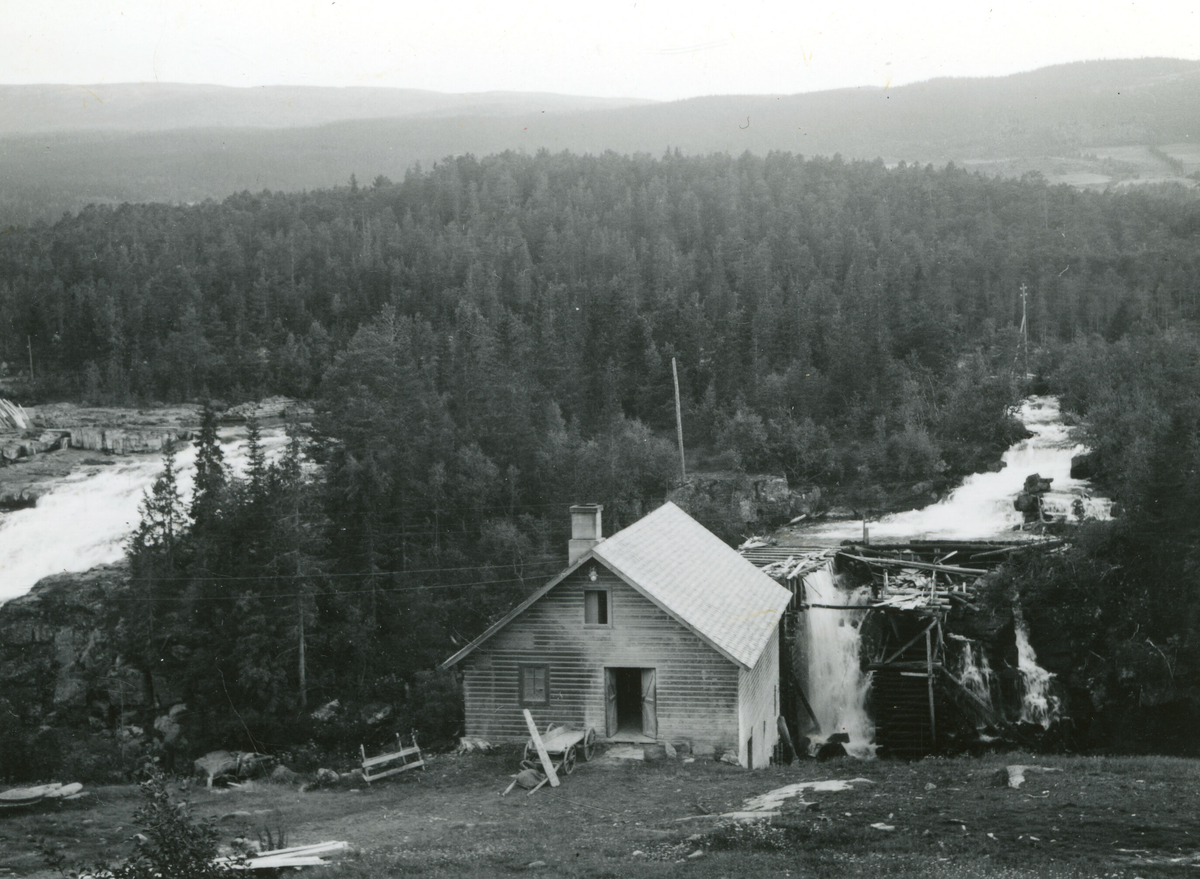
(918,706)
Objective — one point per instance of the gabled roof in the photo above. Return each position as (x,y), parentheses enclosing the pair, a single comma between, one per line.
(687,571)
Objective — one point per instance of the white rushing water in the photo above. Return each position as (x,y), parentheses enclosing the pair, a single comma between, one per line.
(837,689)
(982,507)
(972,669)
(85,520)
(1038,704)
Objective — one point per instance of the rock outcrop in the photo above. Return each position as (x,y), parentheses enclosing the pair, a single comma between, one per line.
(56,661)
(269,409)
(753,500)
(125,441)
(1085,466)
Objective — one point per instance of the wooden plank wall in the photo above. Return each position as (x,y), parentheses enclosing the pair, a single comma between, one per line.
(759,706)
(697,687)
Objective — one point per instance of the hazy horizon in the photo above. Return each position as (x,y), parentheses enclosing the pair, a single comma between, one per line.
(645,50)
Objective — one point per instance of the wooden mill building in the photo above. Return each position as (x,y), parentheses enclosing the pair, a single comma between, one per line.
(660,632)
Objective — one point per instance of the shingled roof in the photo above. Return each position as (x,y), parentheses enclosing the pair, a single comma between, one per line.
(687,571)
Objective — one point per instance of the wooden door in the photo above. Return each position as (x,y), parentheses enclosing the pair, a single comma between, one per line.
(649,703)
(610,702)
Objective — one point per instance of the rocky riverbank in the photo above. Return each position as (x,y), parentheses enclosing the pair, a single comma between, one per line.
(63,438)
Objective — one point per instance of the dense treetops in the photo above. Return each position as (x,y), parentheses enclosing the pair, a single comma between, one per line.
(582,275)
(490,340)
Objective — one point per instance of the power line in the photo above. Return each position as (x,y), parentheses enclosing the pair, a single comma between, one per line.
(276,595)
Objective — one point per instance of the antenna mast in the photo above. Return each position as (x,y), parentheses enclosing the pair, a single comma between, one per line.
(679,423)
(1025,327)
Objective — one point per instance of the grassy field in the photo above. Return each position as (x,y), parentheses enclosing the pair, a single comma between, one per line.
(1088,817)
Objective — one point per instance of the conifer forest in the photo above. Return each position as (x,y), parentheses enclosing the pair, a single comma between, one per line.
(491,339)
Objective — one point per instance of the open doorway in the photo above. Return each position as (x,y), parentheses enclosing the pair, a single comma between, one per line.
(631,703)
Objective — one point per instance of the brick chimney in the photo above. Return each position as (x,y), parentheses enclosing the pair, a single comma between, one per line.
(585,530)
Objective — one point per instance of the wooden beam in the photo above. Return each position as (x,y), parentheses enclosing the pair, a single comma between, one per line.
(914,665)
(929,671)
(920,566)
(911,641)
(1039,544)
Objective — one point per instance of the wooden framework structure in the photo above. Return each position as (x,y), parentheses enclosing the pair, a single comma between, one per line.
(916,700)
(402,759)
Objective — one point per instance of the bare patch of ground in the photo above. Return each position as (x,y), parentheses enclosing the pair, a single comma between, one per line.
(949,817)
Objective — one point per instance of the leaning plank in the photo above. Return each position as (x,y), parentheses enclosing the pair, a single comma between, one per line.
(541,750)
(287,861)
(315,848)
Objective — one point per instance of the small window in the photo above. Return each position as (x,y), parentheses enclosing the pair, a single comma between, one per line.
(535,685)
(595,607)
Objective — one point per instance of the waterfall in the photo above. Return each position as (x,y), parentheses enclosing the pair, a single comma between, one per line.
(973,669)
(1038,704)
(836,686)
(85,520)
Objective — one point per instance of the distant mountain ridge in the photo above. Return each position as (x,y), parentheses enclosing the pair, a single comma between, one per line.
(32,109)
(1097,124)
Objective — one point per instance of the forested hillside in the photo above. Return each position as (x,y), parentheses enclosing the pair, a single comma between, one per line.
(835,320)
(1095,123)
(490,340)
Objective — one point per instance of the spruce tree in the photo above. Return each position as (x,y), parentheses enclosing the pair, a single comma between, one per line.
(210,470)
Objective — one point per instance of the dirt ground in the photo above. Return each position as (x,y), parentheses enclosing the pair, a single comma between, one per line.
(942,817)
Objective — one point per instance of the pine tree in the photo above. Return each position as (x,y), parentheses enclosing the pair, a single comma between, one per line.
(257,457)
(210,470)
(163,519)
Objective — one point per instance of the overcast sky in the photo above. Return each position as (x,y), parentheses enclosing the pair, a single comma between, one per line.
(646,49)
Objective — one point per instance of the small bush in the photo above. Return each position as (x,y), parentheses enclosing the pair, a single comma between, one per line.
(171,845)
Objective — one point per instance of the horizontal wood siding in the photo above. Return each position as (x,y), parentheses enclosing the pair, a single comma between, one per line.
(697,688)
(759,706)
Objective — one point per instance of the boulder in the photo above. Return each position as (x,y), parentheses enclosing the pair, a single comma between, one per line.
(327,776)
(283,775)
(1036,484)
(327,712)
(654,752)
(1026,503)
(171,731)
(831,751)
(1084,466)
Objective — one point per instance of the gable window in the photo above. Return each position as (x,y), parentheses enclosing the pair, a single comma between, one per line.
(535,684)
(595,607)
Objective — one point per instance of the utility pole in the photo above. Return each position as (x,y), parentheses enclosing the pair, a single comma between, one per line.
(29,343)
(1025,327)
(679,422)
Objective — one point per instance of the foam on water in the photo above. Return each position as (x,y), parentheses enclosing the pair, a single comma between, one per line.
(86,519)
(982,507)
